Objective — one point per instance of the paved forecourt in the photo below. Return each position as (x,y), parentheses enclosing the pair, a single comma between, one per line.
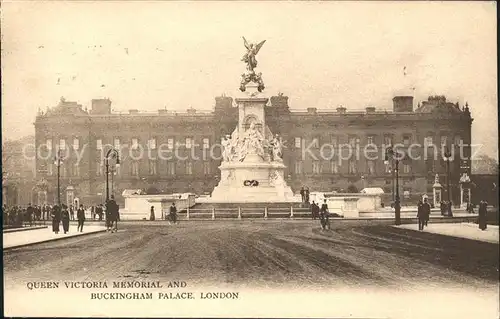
(13,239)
(462,230)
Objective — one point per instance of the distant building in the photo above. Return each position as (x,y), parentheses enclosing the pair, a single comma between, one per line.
(18,171)
(192,134)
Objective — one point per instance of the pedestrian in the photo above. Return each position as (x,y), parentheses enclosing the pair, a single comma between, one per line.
(112,215)
(313,210)
(30,212)
(71,212)
(100,212)
(92,213)
(324,216)
(173,214)
(420,215)
(306,195)
(442,207)
(152,214)
(303,194)
(56,218)
(482,218)
(450,213)
(65,218)
(80,215)
(427,211)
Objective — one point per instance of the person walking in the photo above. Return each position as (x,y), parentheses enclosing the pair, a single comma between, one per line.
(173,214)
(92,212)
(483,205)
(420,215)
(56,218)
(29,214)
(426,207)
(112,215)
(152,213)
(302,194)
(65,218)
(80,215)
(71,212)
(306,195)
(324,216)
(314,213)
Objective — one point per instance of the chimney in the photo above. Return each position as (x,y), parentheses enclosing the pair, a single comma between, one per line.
(311,110)
(223,102)
(101,106)
(279,101)
(403,103)
(370,109)
(341,110)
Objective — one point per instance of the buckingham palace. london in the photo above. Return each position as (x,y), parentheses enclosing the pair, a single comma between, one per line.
(311,137)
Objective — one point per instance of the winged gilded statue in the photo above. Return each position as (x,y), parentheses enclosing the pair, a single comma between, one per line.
(249,57)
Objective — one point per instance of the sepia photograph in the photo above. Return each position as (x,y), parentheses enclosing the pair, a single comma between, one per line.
(263,159)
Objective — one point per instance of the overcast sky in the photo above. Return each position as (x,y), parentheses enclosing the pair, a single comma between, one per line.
(152,55)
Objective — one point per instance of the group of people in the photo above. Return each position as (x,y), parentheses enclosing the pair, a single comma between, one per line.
(445,208)
(112,215)
(17,215)
(304,194)
(322,214)
(62,214)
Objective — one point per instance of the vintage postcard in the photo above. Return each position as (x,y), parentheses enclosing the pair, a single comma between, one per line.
(250,159)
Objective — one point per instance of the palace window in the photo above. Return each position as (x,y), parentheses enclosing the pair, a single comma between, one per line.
(135,168)
(315,142)
(50,169)
(334,167)
(98,144)
(370,139)
(406,168)
(428,141)
(135,143)
(458,140)
(170,143)
(116,143)
(388,168)
(152,144)
(49,145)
(353,140)
(170,168)
(152,167)
(189,168)
(206,143)
(353,167)
(388,139)
(316,167)
(189,142)
(76,143)
(298,142)
(298,167)
(334,140)
(406,140)
(62,170)
(444,140)
(76,171)
(430,165)
(206,168)
(99,168)
(62,144)
(371,167)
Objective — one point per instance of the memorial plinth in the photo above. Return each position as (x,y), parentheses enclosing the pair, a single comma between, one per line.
(252,169)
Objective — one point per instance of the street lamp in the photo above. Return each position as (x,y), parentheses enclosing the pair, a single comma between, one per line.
(392,155)
(447,158)
(58,163)
(112,153)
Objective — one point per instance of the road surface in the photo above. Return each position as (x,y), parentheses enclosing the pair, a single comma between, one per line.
(262,254)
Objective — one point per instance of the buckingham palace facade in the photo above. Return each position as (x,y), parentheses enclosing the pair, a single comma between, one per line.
(191,140)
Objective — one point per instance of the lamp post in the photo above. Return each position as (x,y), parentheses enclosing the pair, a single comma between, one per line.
(112,153)
(58,163)
(448,159)
(392,155)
